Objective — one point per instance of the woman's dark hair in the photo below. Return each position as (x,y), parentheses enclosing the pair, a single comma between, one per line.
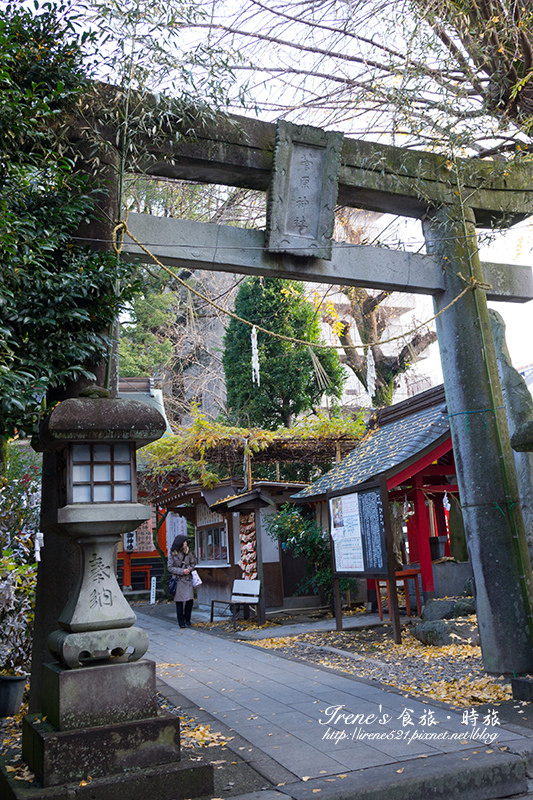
(178,542)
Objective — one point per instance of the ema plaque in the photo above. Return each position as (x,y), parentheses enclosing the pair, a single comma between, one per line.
(303,190)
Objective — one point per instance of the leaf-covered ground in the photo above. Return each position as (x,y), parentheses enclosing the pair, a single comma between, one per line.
(199,742)
(452,673)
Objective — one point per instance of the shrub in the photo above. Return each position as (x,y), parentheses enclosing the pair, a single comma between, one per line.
(17,604)
(19,524)
(302,536)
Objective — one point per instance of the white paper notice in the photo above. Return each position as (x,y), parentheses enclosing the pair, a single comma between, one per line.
(346,533)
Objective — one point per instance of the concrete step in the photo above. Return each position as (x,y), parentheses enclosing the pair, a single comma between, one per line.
(527,795)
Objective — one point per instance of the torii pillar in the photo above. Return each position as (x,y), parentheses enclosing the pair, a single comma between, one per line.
(486,475)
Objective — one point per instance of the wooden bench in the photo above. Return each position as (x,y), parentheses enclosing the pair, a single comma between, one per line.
(243,593)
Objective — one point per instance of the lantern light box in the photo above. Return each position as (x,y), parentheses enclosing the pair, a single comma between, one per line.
(101,473)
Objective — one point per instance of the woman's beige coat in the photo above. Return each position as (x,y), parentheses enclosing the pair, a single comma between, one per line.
(177,563)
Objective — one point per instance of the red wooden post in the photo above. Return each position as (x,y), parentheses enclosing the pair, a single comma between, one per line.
(126,570)
(423,529)
(412,539)
(440,519)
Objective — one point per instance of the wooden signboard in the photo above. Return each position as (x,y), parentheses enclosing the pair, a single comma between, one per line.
(362,543)
(358,533)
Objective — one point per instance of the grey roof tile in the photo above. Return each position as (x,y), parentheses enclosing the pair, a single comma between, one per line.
(383,450)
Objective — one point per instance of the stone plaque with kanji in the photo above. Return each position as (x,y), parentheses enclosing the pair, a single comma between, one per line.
(303,190)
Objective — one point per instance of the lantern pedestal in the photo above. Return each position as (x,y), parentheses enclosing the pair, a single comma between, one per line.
(125,693)
(102,724)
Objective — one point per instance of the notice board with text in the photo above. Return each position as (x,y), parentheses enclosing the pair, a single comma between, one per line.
(358,533)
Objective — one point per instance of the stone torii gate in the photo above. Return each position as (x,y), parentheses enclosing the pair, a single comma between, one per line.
(452,199)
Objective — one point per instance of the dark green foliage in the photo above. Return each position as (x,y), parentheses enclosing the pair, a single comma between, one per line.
(301,470)
(56,299)
(41,77)
(289,384)
(146,346)
(301,536)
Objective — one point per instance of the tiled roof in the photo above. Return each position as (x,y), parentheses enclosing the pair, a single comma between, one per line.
(383,450)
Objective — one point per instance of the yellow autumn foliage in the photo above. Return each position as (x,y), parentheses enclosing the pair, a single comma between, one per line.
(405,666)
(193,447)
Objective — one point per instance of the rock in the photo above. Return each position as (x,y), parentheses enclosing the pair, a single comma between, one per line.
(446,631)
(438,609)
(464,606)
(448,608)
(469,587)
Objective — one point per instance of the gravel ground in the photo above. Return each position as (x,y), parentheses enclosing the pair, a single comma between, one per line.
(452,673)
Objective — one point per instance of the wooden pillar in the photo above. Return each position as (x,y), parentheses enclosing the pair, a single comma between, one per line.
(393,594)
(440,519)
(261,606)
(423,532)
(337,604)
(412,539)
(485,467)
(126,570)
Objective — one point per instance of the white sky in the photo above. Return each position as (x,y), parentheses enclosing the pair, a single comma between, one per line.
(515,247)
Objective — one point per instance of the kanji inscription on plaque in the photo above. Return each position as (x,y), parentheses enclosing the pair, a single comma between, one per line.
(303,190)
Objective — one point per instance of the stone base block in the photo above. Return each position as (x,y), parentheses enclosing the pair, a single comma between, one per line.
(98,695)
(522,689)
(186,779)
(58,757)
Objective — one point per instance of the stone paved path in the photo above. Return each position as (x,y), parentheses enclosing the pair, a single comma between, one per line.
(287,708)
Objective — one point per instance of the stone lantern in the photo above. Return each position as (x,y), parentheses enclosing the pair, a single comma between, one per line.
(100,715)
(95,440)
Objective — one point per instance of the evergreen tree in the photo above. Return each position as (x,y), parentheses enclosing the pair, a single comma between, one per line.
(57,299)
(289,384)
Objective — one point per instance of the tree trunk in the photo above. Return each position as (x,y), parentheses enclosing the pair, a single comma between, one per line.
(383,394)
(3,455)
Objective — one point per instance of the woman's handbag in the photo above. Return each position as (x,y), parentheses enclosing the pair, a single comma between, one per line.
(196,580)
(172,585)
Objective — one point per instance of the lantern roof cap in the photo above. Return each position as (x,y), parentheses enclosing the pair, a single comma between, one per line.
(99,419)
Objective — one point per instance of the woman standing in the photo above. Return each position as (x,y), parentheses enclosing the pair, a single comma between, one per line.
(181,563)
